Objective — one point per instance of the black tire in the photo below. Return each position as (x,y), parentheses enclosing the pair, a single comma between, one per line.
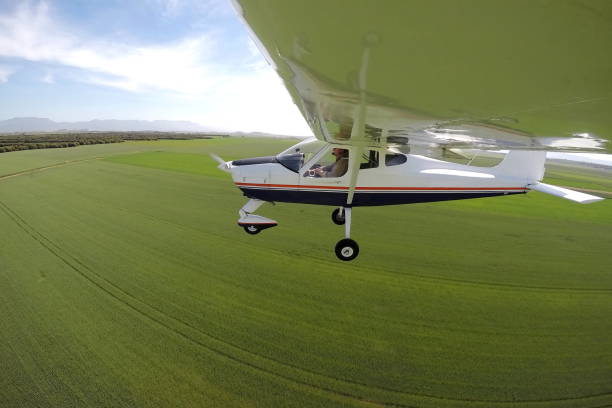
(347,249)
(337,218)
(252,229)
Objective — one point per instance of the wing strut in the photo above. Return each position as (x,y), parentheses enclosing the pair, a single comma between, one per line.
(358,129)
(354,172)
(347,249)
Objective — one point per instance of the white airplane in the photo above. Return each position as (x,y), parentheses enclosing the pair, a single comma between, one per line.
(388,87)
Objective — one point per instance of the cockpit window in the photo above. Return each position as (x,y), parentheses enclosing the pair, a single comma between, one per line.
(395,159)
(333,163)
(292,161)
(369,160)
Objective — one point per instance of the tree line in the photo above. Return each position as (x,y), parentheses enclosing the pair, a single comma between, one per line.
(26,141)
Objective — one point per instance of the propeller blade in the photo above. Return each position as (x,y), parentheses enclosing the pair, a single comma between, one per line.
(223,165)
(217,158)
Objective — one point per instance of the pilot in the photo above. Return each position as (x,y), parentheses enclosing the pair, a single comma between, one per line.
(336,169)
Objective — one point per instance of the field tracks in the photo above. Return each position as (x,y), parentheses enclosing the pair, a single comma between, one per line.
(323,260)
(51,166)
(217,350)
(336,388)
(168,322)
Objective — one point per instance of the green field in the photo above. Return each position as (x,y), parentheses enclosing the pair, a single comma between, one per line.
(125,282)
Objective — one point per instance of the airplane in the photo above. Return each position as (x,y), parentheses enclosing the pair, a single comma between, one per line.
(390,89)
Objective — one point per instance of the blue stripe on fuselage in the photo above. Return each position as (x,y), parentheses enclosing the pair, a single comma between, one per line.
(338,198)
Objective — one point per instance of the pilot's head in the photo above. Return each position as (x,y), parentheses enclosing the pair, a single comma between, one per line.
(336,151)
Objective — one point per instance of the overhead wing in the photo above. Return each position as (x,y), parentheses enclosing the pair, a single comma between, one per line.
(486,74)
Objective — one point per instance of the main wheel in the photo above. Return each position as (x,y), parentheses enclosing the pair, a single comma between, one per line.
(347,249)
(252,229)
(337,218)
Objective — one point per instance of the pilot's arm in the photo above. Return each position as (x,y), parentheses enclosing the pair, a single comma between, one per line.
(338,169)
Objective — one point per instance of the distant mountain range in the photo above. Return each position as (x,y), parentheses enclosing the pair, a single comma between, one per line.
(111,125)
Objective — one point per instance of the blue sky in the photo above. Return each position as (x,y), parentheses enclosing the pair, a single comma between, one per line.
(193,60)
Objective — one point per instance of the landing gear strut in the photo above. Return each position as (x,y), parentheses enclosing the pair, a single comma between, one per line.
(346,249)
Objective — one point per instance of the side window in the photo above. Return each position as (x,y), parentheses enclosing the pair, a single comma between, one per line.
(395,159)
(334,163)
(369,160)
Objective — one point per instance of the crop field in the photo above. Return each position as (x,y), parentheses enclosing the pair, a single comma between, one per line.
(125,282)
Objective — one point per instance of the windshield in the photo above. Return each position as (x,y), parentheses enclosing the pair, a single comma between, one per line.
(294,157)
(310,145)
(293,161)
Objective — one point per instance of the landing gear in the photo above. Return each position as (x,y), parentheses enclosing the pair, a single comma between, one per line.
(253,229)
(346,249)
(338,216)
(253,223)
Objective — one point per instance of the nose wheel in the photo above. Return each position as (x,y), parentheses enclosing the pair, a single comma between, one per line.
(253,223)
(252,229)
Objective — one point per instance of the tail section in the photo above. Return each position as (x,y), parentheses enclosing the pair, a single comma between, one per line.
(528,167)
(523,164)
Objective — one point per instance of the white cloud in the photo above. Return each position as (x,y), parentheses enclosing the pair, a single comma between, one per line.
(30,33)
(250,100)
(5,72)
(48,78)
(173,8)
(257,102)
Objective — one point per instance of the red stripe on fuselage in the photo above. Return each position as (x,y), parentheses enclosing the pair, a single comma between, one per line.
(383,188)
(291,186)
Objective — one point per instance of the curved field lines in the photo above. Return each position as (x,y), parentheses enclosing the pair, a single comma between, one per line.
(124,282)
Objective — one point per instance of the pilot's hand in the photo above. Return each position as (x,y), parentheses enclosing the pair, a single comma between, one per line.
(315,172)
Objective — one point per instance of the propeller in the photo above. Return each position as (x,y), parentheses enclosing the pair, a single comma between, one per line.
(223,165)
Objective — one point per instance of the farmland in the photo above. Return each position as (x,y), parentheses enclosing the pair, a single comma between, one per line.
(125,282)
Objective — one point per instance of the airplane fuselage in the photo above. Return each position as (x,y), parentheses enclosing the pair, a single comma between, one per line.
(275,189)
(397,179)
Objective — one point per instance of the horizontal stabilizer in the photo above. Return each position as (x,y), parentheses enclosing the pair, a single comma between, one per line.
(577,196)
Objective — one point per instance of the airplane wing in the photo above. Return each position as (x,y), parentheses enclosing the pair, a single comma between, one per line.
(504,74)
